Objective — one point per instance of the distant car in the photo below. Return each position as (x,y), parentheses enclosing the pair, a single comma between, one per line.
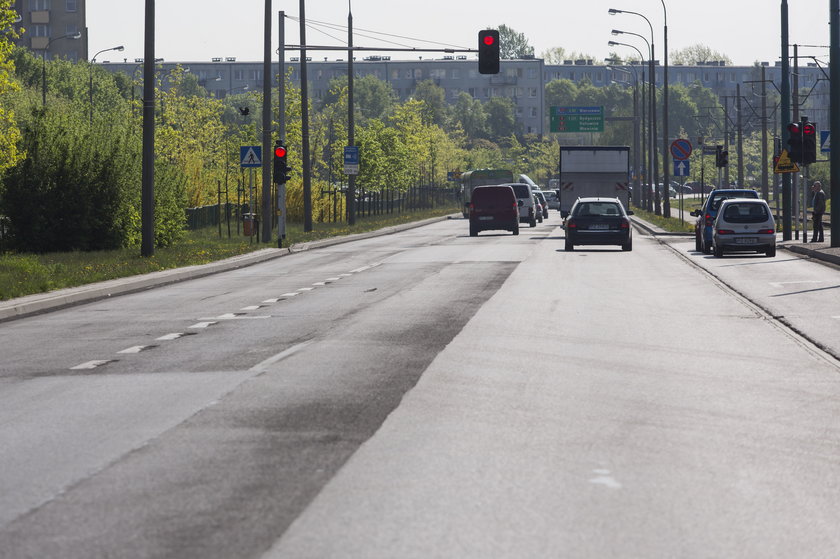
(538,208)
(543,202)
(493,207)
(552,199)
(525,197)
(599,221)
(684,188)
(744,224)
(707,214)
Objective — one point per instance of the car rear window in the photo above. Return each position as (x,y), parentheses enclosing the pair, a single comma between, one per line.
(492,194)
(598,209)
(718,198)
(550,196)
(745,212)
(521,190)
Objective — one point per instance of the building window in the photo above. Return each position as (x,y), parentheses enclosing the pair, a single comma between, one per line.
(437,74)
(532,92)
(533,112)
(532,73)
(39,5)
(71,5)
(487,92)
(256,75)
(239,75)
(518,111)
(40,30)
(418,73)
(456,74)
(71,29)
(395,74)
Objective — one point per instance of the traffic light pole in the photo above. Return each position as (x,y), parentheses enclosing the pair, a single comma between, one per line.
(267,224)
(835,117)
(785,116)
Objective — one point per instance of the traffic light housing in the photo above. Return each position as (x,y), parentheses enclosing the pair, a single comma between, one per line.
(795,142)
(809,143)
(721,157)
(488,51)
(281,169)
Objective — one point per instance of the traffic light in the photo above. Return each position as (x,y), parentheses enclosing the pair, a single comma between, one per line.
(795,142)
(281,169)
(809,143)
(488,51)
(721,157)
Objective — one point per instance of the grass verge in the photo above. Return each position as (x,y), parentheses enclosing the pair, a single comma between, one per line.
(670,224)
(26,274)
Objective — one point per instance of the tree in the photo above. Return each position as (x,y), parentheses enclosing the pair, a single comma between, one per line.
(9,132)
(434,102)
(374,98)
(693,54)
(471,115)
(513,44)
(554,56)
(501,119)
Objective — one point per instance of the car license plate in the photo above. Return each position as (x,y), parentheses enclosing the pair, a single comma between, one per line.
(746,241)
(485,218)
(599,226)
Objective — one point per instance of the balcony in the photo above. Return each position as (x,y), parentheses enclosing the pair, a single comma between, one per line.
(40,17)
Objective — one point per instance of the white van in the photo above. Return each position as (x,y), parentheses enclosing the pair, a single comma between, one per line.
(525,199)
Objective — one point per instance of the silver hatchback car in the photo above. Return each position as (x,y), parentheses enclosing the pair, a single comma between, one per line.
(744,224)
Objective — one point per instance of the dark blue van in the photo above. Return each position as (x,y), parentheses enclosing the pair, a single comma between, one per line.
(706,215)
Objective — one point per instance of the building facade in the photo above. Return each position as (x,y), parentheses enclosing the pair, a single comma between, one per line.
(53,28)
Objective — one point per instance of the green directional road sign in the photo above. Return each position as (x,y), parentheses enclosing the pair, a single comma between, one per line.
(577,119)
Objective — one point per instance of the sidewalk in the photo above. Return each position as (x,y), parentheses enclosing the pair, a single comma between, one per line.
(60,298)
(823,252)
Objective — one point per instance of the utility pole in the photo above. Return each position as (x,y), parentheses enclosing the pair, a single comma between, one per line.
(351,121)
(281,123)
(304,112)
(740,139)
(785,116)
(266,136)
(794,187)
(725,140)
(835,115)
(147,202)
(765,189)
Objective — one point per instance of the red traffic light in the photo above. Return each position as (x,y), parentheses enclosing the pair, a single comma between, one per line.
(489,40)
(279,151)
(793,128)
(810,130)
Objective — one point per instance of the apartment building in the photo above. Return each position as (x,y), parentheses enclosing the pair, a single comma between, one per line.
(53,28)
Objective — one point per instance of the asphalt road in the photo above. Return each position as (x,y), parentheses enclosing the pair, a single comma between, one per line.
(428,394)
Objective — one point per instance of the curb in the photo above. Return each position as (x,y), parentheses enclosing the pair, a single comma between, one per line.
(816,254)
(62,298)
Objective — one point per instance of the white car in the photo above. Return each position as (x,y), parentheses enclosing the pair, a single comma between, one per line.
(744,224)
(525,199)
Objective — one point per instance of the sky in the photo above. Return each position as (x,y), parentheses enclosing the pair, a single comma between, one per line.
(198,30)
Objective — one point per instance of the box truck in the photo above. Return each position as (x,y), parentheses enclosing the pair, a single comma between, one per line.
(593,171)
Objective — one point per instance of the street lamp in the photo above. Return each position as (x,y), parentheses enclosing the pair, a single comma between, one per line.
(76,35)
(90,76)
(637,142)
(653,173)
(612,12)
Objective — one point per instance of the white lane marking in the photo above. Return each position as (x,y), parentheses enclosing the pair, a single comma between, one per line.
(231,316)
(781,284)
(330,280)
(203,324)
(250,308)
(306,289)
(319,284)
(362,269)
(344,275)
(134,349)
(837,317)
(91,364)
(226,316)
(269,301)
(170,337)
(261,367)
(290,294)
(605,479)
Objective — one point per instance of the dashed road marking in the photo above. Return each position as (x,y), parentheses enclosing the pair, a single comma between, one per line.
(319,284)
(306,289)
(781,284)
(203,324)
(91,365)
(170,337)
(330,280)
(290,294)
(135,349)
(250,308)
(270,301)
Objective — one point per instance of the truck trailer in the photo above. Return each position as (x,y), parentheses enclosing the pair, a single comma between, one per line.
(601,171)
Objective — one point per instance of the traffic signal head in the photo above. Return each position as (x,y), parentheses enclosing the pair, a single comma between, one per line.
(724,158)
(281,169)
(719,157)
(795,142)
(809,143)
(488,51)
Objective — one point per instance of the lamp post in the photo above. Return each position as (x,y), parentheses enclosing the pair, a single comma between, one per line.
(613,11)
(637,190)
(90,76)
(666,210)
(76,35)
(653,171)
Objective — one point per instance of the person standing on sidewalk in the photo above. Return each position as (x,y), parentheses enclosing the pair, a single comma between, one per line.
(819,210)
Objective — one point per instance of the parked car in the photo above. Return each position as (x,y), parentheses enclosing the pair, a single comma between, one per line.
(744,224)
(543,202)
(552,199)
(707,214)
(525,196)
(538,207)
(599,221)
(493,207)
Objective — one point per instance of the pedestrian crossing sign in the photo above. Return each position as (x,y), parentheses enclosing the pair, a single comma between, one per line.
(250,156)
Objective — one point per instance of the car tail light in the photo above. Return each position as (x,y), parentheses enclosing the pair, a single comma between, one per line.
(472,207)
(625,224)
(571,224)
(766,231)
(709,220)
(725,232)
